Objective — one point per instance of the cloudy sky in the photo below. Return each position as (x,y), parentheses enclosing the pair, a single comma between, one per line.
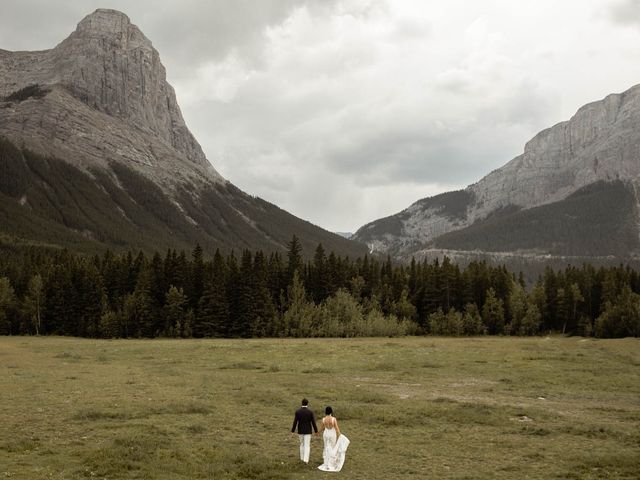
(350,110)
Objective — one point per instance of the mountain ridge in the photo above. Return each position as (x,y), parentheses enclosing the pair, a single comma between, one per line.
(598,143)
(98,107)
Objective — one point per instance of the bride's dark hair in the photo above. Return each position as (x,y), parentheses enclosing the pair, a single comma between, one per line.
(328,411)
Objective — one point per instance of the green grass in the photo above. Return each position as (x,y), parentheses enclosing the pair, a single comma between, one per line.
(477,408)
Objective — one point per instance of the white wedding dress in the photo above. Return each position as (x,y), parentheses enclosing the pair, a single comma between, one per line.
(334,451)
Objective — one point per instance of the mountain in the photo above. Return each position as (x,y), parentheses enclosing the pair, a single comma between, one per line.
(95,153)
(572,193)
(344,234)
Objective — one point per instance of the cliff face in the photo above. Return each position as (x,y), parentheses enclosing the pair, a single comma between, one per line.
(601,142)
(94,152)
(108,99)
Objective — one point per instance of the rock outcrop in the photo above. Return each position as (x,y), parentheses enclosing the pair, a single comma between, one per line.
(601,142)
(95,153)
(107,98)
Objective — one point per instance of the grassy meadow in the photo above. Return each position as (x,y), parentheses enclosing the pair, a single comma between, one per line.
(473,408)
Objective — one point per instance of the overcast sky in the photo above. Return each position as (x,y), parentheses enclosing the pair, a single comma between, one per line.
(343,112)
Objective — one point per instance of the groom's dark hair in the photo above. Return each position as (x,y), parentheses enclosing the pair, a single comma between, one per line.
(305,402)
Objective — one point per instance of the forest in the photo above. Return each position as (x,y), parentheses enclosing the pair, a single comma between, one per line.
(252,294)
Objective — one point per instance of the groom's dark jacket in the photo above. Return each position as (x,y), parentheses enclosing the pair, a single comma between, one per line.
(304,420)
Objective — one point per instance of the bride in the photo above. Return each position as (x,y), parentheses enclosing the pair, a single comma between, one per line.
(335,444)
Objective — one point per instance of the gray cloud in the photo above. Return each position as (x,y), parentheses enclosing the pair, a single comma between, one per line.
(344,111)
(187,32)
(626,12)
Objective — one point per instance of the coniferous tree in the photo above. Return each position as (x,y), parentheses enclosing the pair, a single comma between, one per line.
(212,317)
(57,312)
(294,259)
(574,298)
(141,316)
(620,318)
(234,327)
(318,276)
(264,315)
(413,278)
(213,312)
(432,292)
(550,294)
(125,295)
(246,292)
(530,323)
(33,303)
(335,275)
(157,284)
(493,313)
(174,311)
(7,305)
(110,325)
(196,283)
(538,298)
(137,317)
(447,284)
(88,299)
(562,309)
(518,306)
(298,317)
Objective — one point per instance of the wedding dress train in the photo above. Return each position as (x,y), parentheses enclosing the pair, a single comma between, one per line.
(334,451)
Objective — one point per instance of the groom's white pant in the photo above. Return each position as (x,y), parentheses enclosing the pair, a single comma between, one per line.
(305,447)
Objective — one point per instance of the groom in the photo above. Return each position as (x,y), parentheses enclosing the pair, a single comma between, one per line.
(304,420)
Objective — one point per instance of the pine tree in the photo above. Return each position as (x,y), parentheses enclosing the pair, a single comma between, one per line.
(575,298)
(174,312)
(7,305)
(298,317)
(432,292)
(562,309)
(334,275)
(196,283)
(294,257)
(550,283)
(137,317)
(212,315)
(264,315)
(157,284)
(110,325)
(620,318)
(530,324)
(246,291)
(517,308)
(493,313)
(88,299)
(33,302)
(318,276)
(57,313)
(233,296)
(143,317)
(447,284)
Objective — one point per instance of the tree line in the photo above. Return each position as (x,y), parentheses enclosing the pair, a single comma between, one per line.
(282,295)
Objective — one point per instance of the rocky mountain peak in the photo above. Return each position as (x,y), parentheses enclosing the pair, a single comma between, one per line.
(598,146)
(105,21)
(108,65)
(110,29)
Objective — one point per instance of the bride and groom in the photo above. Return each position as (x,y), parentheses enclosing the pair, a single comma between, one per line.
(335,443)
